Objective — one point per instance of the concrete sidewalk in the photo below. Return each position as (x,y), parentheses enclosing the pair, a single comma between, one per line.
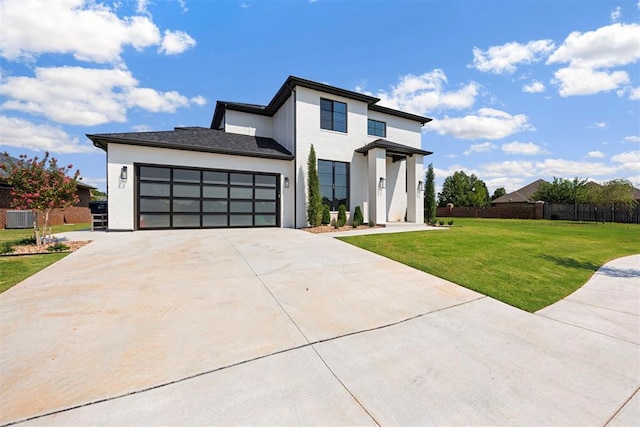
(273,326)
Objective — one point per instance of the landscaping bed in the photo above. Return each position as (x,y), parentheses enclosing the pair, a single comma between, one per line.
(332,229)
(47,248)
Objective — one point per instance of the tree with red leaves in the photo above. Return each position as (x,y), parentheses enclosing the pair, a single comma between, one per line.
(40,186)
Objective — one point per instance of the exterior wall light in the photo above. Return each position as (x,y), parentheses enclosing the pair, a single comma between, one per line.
(123,173)
(420,186)
(381,183)
(286,182)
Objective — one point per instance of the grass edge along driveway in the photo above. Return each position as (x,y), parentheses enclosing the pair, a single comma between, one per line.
(14,269)
(528,264)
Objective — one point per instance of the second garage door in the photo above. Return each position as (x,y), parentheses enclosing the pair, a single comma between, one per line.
(175,197)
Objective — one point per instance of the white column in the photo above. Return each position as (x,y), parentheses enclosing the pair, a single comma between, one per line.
(415,202)
(377,196)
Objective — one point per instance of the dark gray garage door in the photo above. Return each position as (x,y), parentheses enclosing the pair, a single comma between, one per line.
(173,197)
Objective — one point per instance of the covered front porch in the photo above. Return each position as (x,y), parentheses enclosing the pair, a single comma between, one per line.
(395,182)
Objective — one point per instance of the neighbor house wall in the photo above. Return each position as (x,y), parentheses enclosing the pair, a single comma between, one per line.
(122,198)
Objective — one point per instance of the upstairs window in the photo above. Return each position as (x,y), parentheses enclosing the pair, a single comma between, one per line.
(333,115)
(377,128)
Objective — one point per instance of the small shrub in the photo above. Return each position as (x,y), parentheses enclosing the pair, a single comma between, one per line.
(441,222)
(58,247)
(357,217)
(555,217)
(372,223)
(6,248)
(334,223)
(342,216)
(326,215)
(450,222)
(26,241)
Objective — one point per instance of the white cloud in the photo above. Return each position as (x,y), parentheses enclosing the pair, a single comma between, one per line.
(175,42)
(633,138)
(534,87)
(98,96)
(488,123)
(606,47)
(88,30)
(587,81)
(142,7)
(616,13)
(629,160)
(479,148)
(567,168)
(523,148)
(20,133)
(141,128)
(504,59)
(595,154)
(590,56)
(634,94)
(426,93)
(598,125)
(507,168)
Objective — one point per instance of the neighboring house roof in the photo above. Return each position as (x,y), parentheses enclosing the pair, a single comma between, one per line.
(285,91)
(198,139)
(522,195)
(393,148)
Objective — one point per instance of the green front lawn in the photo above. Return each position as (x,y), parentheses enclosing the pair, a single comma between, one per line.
(14,269)
(525,263)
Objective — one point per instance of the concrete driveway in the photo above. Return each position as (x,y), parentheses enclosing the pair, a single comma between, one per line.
(281,327)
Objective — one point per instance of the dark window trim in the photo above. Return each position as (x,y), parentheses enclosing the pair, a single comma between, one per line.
(333,203)
(384,128)
(171,197)
(333,116)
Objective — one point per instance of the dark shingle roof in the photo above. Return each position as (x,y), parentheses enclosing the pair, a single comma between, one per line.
(198,139)
(392,148)
(523,194)
(285,91)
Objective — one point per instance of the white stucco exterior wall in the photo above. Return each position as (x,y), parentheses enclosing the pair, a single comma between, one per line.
(284,125)
(248,124)
(415,197)
(122,199)
(377,168)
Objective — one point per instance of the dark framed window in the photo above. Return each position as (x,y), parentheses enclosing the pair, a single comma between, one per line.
(334,183)
(377,128)
(333,115)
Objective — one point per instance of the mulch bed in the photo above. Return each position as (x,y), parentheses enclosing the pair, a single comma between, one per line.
(332,229)
(34,250)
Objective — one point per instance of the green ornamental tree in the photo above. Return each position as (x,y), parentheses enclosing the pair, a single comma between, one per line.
(342,215)
(614,194)
(464,191)
(430,196)
(314,199)
(41,186)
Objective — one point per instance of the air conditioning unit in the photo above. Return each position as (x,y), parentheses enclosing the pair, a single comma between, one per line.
(19,219)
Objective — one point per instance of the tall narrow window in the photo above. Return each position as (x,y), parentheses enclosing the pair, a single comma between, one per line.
(377,128)
(333,115)
(334,183)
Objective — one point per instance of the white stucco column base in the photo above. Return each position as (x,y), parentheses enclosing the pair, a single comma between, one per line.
(415,205)
(377,163)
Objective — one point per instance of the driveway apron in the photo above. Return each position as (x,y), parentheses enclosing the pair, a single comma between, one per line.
(279,326)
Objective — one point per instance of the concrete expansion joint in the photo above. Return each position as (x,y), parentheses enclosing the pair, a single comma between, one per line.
(599,306)
(622,406)
(588,329)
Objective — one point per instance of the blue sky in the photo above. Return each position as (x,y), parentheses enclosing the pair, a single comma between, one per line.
(518,90)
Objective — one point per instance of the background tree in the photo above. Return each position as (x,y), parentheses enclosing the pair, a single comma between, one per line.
(499,192)
(41,186)
(314,201)
(562,190)
(430,196)
(463,190)
(614,194)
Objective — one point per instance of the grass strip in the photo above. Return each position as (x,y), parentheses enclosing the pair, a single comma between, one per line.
(528,264)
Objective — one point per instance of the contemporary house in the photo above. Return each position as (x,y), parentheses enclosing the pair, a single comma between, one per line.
(521,197)
(249,168)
